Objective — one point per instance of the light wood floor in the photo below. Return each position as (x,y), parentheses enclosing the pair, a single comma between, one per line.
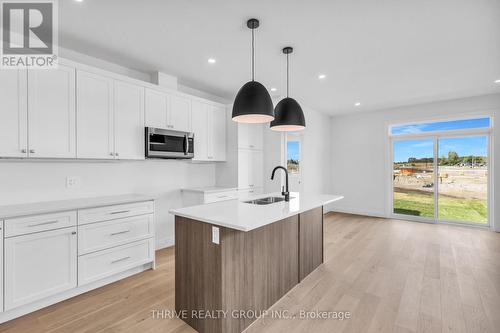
(393,276)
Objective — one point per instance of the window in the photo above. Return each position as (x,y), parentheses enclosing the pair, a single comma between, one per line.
(440,126)
(441,175)
(293,156)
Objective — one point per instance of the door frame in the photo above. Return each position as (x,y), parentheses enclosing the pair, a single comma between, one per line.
(435,136)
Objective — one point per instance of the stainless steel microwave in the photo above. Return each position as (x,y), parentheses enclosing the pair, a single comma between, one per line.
(162,143)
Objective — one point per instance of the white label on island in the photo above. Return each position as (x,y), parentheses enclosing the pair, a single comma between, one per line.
(215,235)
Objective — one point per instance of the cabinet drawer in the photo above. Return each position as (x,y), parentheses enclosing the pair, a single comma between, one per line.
(98,265)
(221,196)
(99,236)
(92,215)
(37,223)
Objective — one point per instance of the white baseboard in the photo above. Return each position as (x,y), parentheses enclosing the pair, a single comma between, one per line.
(165,242)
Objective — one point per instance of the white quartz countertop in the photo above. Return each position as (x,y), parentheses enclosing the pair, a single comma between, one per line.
(209,189)
(35,208)
(236,214)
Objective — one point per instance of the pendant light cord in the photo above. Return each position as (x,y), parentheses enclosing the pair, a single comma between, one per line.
(287,75)
(253,55)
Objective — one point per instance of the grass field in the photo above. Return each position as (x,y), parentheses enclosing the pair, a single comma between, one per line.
(450,208)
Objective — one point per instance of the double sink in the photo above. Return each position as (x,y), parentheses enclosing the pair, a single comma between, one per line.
(266,201)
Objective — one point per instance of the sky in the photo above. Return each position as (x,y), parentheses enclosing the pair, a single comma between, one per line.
(293,150)
(466,146)
(441,126)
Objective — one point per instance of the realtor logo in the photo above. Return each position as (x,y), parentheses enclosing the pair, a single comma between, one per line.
(29,34)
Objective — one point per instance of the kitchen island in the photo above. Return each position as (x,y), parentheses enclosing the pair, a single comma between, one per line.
(234,259)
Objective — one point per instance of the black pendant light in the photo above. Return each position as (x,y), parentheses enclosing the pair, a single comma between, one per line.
(253,103)
(288,115)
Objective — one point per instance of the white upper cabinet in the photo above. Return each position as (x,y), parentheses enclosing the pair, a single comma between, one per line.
(179,114)
(156,104)
(218,133)
(168,111)
(209,128)
(14,113)
(94,116)
(76,111)
(51,112)
(250,136)
(129,120)
(200,129)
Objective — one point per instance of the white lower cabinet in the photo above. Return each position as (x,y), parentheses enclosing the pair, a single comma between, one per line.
(101,264)
(192,198)
(46,258)
(39,265)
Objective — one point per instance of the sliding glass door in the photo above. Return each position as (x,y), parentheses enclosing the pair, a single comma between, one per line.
(463,179)
(413,177)
(441,175)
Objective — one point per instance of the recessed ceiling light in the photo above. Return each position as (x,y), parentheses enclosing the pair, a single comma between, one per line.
(79,0)
(321,76)
(357,104)
(497,81)
(273,89)
(211,60)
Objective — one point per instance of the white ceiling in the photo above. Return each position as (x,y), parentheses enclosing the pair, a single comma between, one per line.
(382,53)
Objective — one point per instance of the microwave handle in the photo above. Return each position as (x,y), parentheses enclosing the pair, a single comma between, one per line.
(186,144)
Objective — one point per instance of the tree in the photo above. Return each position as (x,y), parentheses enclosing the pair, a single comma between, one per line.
(453,158)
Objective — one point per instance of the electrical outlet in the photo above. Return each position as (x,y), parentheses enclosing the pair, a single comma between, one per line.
(73,182)
(215,235)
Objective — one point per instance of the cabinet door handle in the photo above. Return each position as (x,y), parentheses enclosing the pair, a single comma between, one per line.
(118,260)
(119,232)
(112,154)
(116,154)
(73,232)
(23,151)
(43,223)
(119,212)
(32,151)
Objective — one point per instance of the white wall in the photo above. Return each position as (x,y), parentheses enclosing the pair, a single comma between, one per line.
(360,150)
(32,181)
(316,152)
